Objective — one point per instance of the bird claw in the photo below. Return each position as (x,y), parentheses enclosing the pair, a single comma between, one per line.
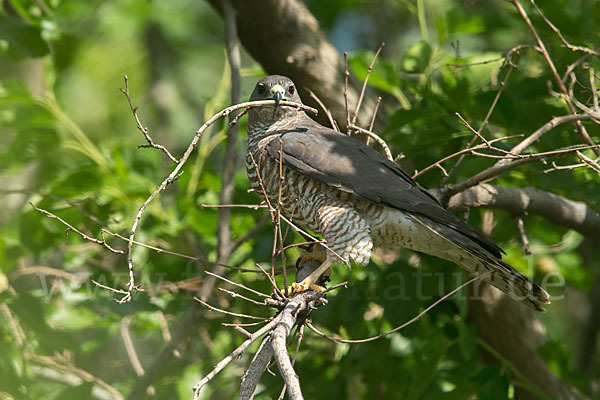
(304,286)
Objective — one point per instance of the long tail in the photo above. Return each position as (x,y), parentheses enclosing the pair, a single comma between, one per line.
(480,262)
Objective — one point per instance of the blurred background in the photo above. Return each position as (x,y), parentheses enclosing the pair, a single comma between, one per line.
(69,145)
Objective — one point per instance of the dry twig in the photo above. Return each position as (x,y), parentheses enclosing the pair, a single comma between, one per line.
(141,127)
(404,325)
(364,86)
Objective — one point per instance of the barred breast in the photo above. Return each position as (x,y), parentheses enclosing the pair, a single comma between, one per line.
(311,205)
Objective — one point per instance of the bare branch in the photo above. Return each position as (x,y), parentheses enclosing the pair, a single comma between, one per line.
(130,349)
(523,236)
(234,354)
(404,325)
(588,161)
(212,308)
(518,201)
(468,150)
(141,127)
(325,109)
(237,295)
(554,72)
(505,164)
(236,284)
(346,77)
(379,140)
(366,81)
(372,123)
(255,370)
(278,342)
(483,124)
(583,49)
(505,57)
(547,127)
(71,228)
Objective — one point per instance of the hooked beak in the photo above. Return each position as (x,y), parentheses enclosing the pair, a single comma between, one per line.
(277,93)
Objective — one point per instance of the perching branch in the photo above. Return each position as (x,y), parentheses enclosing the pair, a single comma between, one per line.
(558,210)
(256,369)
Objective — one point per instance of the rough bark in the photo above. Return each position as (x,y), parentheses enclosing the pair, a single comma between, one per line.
(529,200)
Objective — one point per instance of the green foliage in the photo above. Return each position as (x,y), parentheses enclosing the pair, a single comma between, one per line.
(68,145)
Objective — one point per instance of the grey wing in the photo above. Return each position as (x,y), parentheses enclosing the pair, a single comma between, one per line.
(349,165)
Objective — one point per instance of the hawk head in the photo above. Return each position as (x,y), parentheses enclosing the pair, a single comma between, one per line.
(275,87)
(278,88)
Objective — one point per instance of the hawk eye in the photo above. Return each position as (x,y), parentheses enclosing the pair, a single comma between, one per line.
(261,88)
(291,89)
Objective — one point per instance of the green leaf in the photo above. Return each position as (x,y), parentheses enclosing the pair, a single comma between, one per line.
(467,337)
(490,385)
(416,59)
(23,40)
(83,391)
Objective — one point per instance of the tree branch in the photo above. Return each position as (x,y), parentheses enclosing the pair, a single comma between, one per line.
(256,369)
(279,334)
(558,210)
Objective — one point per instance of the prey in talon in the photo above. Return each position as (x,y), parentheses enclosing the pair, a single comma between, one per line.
(306,266)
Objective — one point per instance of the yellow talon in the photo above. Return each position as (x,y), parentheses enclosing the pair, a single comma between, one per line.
(304,286)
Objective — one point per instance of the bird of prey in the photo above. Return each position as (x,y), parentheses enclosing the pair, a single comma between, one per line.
(356,199)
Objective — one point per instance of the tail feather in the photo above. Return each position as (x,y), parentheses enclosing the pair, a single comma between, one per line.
(510,281)
(480,262)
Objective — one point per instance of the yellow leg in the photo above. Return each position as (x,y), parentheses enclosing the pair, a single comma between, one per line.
(310,282)
(317,255)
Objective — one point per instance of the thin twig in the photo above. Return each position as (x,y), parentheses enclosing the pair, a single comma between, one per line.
(483,124)
(562,38)
(325,109)
(467,150)
(404,325)
(173,253)
(77,231)
(233,355)
(212,308)
(247,323)
(507,163)
(273,283)
(372,123)
(379,140)
(256,292)
(556,167)
(130,350)
(250,206)
(141,127)
(584,133)
(346,77)
(588,161)
(547,127)
(505,57)
(523,235)
(364,87)
(237,295)
(593,89)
